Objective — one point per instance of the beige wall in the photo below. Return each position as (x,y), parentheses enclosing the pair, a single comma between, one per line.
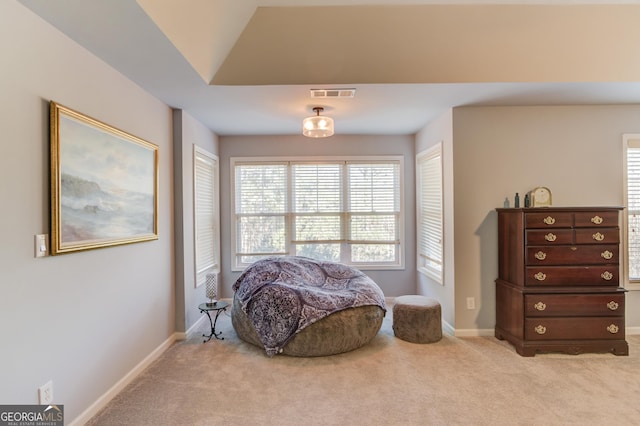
(187,132)
(440,131)
(83,320)
(436,44)
(576,151)
(393,283)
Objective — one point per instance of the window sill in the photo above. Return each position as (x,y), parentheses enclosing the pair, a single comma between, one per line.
(236,268)
(632,286)
(432,275)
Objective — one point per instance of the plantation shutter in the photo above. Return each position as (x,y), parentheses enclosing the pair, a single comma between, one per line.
(206,220)
(430,229)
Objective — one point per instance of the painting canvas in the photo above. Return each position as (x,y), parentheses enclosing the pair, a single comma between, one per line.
(104,184)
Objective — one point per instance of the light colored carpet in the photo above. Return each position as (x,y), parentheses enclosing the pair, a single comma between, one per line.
(457,381)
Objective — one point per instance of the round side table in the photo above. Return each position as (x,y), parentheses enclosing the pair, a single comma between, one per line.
(218,307)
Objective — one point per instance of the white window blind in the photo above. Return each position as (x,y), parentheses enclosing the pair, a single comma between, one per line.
(374,212)
(206,214)
(429,214)
(632,195)
(261,201)
(317,210)
(343,210)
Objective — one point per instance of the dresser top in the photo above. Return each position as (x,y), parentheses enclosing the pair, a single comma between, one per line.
(559,209)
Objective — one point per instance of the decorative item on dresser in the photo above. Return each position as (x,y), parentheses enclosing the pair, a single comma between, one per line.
(558,281)
(540,197)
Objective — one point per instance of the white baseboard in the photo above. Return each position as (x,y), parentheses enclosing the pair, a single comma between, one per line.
(632,330)
(447,328)
(194,327)
(122,383)
(474,332)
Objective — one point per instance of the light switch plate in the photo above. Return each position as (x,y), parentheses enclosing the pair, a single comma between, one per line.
(41,245)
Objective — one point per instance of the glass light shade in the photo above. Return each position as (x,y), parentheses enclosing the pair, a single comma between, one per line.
(211,288)
(317,126)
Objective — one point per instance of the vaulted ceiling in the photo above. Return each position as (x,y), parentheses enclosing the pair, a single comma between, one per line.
(247,66)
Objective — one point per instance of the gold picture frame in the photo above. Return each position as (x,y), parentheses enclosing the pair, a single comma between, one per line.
(104,184)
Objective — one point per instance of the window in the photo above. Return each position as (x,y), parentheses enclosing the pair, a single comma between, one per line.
(632,211)
(344,210)
(206,222)
(429,212)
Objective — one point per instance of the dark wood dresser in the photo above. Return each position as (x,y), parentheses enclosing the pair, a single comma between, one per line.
(558,286)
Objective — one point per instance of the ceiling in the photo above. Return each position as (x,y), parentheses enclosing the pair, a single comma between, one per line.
(246,67)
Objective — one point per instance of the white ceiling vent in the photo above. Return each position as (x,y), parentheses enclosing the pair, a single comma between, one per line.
(333,93)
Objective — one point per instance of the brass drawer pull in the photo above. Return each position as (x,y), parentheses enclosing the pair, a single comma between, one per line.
(549,220)
(597,220)
(550,237)
(612,328)
(606,254)
(607,275)
(541,255)
(541,329)
(598,236)
(540,306)
(541,276)
(612,305)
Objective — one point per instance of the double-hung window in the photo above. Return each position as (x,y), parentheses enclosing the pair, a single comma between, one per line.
(632,211)
(206,217)
(429,212)
(346,210)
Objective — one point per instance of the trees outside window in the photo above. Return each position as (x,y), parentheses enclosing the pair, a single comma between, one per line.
(345,210)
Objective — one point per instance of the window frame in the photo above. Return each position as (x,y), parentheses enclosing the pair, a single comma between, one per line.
(344,214)
(629,140)
(200,271)
(432,153)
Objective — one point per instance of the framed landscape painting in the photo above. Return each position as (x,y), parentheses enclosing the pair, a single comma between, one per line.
(104,184)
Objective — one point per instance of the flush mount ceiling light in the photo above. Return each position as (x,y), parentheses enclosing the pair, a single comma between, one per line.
(317,126)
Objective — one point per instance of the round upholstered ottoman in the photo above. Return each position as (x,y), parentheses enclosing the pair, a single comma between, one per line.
(417,319)
(342,331)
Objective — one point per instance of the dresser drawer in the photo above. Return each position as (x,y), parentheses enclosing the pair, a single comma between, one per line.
(539,237)
(570,305)
(572,275)
(549,220)
(597,236)
(576,255)
(591,219)
(574,328)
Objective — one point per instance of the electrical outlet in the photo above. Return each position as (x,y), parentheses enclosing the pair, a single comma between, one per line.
(471,303)
(45,393)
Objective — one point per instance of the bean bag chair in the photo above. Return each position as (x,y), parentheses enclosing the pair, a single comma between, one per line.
(299,306)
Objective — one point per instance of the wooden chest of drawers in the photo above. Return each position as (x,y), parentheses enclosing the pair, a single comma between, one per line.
(558,282)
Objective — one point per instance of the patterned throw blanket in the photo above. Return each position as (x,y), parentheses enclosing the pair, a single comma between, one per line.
(283,295)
